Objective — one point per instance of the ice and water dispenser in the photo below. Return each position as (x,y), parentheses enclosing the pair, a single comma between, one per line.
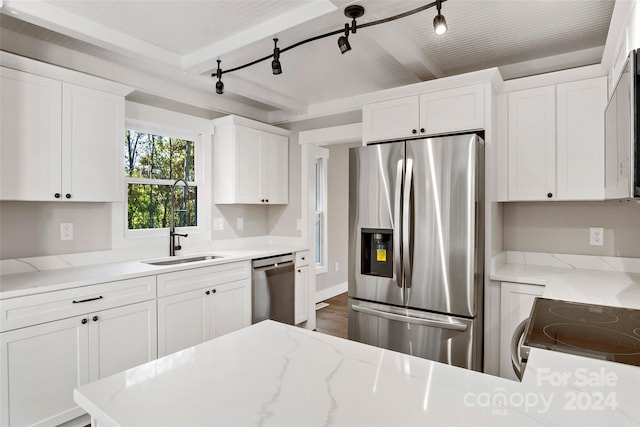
(377,252)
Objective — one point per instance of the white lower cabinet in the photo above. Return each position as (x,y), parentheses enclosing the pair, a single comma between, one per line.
(219,304)
(516,300)
(42,364)
(301,302)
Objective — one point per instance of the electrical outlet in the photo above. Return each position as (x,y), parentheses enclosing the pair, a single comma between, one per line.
(66,231)
(240,223)
(218,224)
(299,224)
(337,267)
(596,236)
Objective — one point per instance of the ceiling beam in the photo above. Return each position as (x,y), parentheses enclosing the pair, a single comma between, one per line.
(46,15)
(204,60)
(404,50)
(238,86)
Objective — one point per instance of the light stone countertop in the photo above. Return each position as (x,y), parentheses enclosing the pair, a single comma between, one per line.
(57,273)
(271,374)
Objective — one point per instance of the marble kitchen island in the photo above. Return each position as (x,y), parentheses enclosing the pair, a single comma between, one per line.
(272,374)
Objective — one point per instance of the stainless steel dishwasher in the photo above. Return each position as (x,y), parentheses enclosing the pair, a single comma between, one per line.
(273,283)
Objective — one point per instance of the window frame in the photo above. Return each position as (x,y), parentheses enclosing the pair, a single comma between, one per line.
(122,236)
(322,159)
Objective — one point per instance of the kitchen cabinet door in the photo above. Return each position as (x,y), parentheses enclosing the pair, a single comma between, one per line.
(30,136)
(249,170)
(580,145)
(229,308)
(532,144)
(182,321)
(92,144)
(516,300)
(122,338)
(454,110)
(275,164)
(301,311)
(39,368)
(392,119)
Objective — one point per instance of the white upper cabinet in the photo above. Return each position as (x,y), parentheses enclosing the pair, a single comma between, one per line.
(251,162)
(532,142)
(59,141)
(580,145)
(555,142)
(446,111)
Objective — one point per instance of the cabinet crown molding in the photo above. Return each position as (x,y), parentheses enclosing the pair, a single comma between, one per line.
(243,121)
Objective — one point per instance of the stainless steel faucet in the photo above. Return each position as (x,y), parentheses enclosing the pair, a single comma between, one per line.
(172,230)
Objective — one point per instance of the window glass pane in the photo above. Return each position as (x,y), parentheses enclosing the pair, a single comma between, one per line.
(158,157)
(149,206)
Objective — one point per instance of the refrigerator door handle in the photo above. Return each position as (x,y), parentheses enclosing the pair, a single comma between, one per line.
(406,227)
(398,224)
(452,325)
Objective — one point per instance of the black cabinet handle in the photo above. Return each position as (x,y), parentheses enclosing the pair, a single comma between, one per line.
(299,271)
(68,196)
(267,200)
(95,318)
(302,258)
(413,131)
(549,195)
(207,292)
(214,291)
(84,321)
(87,300)
(421,130)
(57,195)
(262,200)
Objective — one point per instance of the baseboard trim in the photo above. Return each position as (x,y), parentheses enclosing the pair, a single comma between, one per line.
(330,292)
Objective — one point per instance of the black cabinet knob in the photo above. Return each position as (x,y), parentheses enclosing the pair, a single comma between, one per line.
(95,318)
(299,271)
(262,200)
(57,195)
(549,195)
(266,200)
(414,131)
(68,196)
(207,292)
(214,291)
(84,321)
(421,130)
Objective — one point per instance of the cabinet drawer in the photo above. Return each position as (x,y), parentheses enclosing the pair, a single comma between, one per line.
(30,310)
(198,278)
(302,258)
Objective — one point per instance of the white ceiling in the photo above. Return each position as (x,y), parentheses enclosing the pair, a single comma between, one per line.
(179,42)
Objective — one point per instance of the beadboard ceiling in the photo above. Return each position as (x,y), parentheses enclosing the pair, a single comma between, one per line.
(179,42)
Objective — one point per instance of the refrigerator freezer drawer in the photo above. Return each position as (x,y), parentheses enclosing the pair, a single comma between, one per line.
(447,339)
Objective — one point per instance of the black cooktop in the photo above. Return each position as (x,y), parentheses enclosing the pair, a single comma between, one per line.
(602,332)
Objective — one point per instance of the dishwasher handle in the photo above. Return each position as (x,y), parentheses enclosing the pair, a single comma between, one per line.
(273,266)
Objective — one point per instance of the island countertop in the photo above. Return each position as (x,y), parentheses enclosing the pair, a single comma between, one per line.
(271,374)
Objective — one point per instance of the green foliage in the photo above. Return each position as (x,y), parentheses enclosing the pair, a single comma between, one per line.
(156,157)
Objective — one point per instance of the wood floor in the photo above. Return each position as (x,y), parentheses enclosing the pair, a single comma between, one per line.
(332,320)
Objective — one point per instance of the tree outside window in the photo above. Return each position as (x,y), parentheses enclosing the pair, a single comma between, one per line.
(152,163)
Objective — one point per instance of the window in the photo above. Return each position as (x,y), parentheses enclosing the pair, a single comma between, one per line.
(152,164)
(322,157)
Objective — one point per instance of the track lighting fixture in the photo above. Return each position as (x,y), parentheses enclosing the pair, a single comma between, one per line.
(353,11)
(275,64)
(219,84)
(343,41)
(439,23)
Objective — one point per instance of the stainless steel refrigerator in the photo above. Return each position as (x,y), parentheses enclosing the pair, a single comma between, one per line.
(416,247)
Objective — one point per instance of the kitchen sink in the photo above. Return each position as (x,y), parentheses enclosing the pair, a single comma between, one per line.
(174,261)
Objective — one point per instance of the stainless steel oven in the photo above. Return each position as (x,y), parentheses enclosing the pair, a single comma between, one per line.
(273,285)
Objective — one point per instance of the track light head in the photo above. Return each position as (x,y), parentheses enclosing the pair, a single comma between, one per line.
(276,67)
(343,41)
(219,84)
(439,23)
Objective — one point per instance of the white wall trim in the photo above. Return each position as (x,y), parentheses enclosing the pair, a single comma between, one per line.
(332,135)
(331,292)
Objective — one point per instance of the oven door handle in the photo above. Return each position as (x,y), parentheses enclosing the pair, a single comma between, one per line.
(452,325)
(515,348)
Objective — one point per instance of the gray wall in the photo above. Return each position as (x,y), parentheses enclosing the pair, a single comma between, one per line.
(33,228)
(337,217)
(563,227)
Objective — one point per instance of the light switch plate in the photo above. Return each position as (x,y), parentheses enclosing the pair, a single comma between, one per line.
(218,224)
(240,223)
